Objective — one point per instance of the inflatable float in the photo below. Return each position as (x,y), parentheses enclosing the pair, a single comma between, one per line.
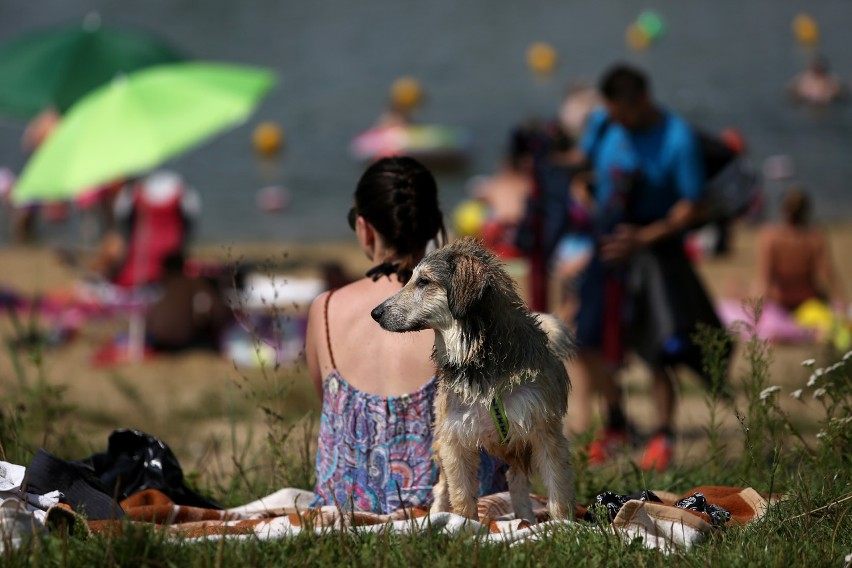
(429,143)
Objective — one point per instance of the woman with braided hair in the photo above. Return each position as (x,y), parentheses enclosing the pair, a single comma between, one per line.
(374,451)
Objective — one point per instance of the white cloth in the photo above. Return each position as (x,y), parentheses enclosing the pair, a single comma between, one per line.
(21,513)
(659,526)
(287,498)
(16,524)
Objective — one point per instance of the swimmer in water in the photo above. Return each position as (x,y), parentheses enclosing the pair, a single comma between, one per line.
(817,85)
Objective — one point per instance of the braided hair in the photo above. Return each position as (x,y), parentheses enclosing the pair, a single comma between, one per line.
(399,197)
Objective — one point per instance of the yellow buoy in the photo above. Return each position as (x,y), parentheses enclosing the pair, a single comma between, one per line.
(406,93)
(469,217)
(637,37)
(542,58)
(806,30)
(267,138)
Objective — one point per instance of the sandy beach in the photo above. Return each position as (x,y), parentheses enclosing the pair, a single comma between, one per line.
(205,408)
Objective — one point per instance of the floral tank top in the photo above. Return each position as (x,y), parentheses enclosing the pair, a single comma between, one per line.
(375,452)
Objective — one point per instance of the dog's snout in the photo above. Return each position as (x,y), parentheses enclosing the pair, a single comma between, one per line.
(377,312)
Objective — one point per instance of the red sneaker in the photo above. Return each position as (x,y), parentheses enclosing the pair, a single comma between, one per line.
(606,444)
(658,453)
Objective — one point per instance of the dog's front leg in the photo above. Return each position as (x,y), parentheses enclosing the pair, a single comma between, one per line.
(519,490)
(552,456)
(460,466)
(440,494)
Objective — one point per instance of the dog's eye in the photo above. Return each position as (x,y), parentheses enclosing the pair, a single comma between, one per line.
(421,282)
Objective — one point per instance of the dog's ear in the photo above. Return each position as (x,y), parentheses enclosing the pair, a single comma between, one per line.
(468,283)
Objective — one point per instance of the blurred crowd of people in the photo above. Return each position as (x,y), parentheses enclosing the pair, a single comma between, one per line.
(612,194)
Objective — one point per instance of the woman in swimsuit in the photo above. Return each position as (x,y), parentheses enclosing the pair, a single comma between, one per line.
(794,261)
(377,388)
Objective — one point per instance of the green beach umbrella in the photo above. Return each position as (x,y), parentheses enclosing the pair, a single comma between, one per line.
(56,67)
(138,122)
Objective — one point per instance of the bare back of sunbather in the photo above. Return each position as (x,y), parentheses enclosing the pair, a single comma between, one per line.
(793,264)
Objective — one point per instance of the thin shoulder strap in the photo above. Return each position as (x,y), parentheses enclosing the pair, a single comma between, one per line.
(327,334)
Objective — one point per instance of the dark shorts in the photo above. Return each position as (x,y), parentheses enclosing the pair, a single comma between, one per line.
(653,307)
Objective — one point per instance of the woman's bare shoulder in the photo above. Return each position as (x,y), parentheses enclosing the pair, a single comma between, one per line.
(353,298)
(768,233)
(770,229)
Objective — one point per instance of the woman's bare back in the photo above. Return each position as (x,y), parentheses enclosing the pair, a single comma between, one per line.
(369,358)
(792,257)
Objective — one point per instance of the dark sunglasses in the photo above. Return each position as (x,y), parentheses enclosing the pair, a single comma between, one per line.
(352,216)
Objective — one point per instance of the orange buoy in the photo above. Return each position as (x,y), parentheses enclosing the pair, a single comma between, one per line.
(268,138)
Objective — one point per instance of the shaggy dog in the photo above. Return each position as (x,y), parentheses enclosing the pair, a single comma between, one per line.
(502,383)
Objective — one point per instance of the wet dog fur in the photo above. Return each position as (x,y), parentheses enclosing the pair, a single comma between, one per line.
(487,344)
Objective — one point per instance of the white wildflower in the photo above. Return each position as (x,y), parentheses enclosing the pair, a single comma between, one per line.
(767,392)
(808,362)
(812,380)
(847,356)
(820,392)
(797,394)
(819,372)
(834,367)
(821,434)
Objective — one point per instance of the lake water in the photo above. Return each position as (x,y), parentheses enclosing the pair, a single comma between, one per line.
(721,63)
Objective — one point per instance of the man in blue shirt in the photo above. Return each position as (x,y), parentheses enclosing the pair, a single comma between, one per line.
(649,183)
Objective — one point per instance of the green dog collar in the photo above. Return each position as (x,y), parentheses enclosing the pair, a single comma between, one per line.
(501,421)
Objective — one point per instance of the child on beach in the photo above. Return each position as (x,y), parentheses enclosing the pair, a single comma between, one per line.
(377,388)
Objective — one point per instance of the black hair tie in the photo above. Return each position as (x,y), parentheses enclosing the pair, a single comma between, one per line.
(383,269)
(388,269)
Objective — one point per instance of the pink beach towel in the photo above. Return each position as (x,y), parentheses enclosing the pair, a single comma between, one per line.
(775,324)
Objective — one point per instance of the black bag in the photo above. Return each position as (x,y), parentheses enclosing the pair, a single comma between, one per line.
(732,184)
(135,461)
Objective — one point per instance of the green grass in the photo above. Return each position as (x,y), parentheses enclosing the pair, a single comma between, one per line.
(779,540)
(811,526)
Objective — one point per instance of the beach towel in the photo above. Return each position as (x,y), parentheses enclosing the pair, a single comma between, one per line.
(660,525)
(812,322)
(775,323)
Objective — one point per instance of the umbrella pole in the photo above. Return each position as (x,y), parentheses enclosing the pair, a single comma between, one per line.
(136,334)
(136,330)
